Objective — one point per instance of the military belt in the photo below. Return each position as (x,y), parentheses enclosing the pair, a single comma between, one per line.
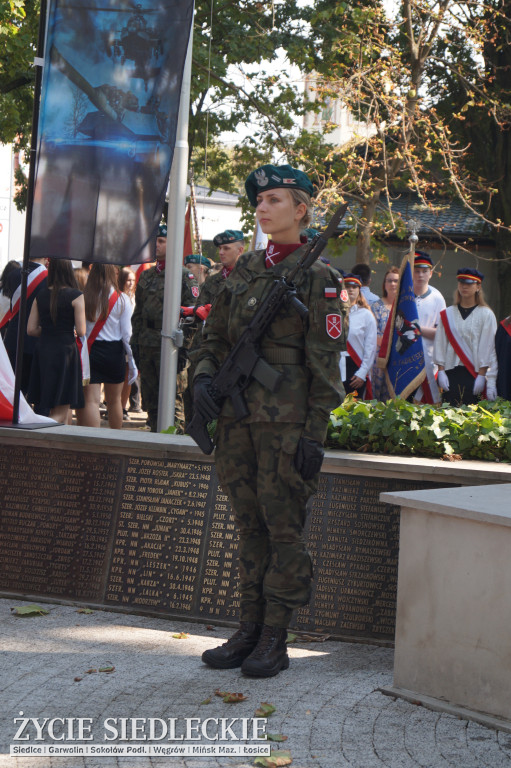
(152,325)
(284,356)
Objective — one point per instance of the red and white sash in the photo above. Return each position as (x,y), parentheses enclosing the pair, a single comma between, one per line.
(456,342)
(368,395)
(34,279)
(85,342)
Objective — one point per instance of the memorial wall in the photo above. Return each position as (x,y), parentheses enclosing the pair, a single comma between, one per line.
(157,536)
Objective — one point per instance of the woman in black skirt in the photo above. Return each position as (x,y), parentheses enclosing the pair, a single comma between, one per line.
(56,374)
(108,314)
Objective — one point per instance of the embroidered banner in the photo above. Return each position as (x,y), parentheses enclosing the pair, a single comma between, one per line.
(109,109)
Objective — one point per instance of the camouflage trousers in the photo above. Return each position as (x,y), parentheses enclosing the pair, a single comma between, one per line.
(149,369)
(255,465)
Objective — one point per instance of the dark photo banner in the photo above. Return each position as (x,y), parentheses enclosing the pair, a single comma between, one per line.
(107,127)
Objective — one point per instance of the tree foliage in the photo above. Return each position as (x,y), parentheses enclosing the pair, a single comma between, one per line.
(19,21)
(413,80)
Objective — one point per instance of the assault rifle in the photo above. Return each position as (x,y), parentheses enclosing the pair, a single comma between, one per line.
(245,362)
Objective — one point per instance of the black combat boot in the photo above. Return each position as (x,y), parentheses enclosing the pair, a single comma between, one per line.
(238,647)
(270,654)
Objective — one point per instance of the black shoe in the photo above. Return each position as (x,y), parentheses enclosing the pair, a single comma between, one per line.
(270,654)
(238,647)
(125,415)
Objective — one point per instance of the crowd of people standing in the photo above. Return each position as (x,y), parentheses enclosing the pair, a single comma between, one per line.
(118,315)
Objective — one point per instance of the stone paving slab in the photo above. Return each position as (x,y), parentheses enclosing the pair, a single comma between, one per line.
(327,703)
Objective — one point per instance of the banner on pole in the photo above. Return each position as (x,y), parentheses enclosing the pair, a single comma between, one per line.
(402,353)
(109,110)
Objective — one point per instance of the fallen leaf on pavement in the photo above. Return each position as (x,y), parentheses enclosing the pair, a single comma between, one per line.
(230,698)
(29,610)
(181,636)
(264,710)
(278,758)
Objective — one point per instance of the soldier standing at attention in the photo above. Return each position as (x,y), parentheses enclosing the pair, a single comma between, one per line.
(146,336)
(230,246)
(269,462)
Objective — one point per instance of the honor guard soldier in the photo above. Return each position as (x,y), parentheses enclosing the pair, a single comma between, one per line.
(198,265)
(269,461)
(147,324)
(230,244)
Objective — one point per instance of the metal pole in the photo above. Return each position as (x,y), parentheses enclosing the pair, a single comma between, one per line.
(22,314)
(170,341)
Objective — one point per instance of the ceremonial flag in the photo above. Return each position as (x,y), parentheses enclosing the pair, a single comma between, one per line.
(401,353)
(109,110)
(26,414)
(259,239)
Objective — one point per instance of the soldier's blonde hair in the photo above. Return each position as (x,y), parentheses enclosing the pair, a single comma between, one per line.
(300,196)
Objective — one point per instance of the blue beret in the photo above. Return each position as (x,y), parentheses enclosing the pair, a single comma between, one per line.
(275,177)
(197,258)
(162,230)
(469,275)
(229,236)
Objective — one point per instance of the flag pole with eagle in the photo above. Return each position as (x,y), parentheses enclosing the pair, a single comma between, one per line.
(402,354)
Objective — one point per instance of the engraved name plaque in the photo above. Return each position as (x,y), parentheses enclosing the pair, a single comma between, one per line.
(157,536)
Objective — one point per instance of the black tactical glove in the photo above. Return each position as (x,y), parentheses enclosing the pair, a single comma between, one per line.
(309,457)
(182,359)
(203,403)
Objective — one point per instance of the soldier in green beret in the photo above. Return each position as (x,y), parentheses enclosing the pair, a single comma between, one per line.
(198,266)
(269,462)
(230,244)
(146,325)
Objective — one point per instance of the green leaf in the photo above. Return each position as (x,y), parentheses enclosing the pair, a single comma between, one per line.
(29,610)
(264,710)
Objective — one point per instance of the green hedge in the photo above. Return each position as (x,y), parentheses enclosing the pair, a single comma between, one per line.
(481,431)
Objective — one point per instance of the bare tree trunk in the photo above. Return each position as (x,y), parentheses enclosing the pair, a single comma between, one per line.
(365,228)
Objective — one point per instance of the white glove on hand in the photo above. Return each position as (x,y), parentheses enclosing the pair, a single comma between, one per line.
(479,384)
(132,373)
(443,381)
(491,392)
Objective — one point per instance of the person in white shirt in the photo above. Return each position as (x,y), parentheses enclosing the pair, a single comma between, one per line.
(429,301)
(108,314)
(356,363)
(465,344)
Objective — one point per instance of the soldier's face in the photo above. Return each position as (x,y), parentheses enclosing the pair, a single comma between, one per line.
(229,253)
(279,216)
(161,247)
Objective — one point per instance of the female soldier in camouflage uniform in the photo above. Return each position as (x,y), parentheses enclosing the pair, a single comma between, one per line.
(269,462)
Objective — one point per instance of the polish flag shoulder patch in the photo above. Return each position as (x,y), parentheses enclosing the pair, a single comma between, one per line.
(330,293)
(195,291)
(334,326)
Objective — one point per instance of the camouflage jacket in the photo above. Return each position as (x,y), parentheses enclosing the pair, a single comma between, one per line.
(148,313)
(305,351)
